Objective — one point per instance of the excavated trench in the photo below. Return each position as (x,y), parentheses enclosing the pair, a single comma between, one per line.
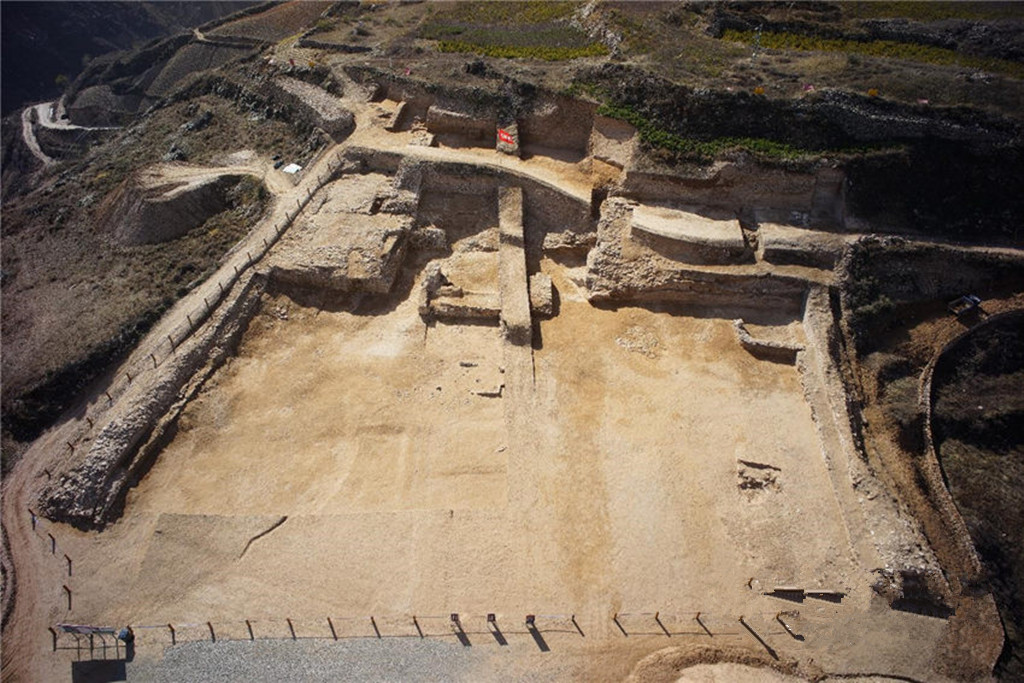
(457,366)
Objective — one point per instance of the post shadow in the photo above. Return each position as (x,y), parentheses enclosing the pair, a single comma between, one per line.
(495,631)
(373,622)
(98,671)
(459,632)
(704,626)
(615,618)
(793,595)
(657,619)
(538,638)
(790,631)
(461,635)
(759,639)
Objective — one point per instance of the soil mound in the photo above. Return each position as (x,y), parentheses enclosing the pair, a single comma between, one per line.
(154,206)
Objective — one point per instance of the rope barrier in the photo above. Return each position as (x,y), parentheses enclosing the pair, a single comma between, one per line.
(787,619)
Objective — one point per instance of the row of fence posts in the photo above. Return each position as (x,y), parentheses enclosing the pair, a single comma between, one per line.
(340,628)
(456,624)
(37,523)
(194,318)
(782,617)
(197,317)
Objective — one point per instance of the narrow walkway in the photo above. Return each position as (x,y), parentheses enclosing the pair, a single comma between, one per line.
(29,135)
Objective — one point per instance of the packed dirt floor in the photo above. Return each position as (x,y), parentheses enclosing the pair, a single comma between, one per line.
(416,474)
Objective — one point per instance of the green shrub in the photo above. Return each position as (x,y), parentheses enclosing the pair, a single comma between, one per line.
(546,53)
(890,49)
(933,10)
(323,26)
(705,150)
(533,30)
(506,14)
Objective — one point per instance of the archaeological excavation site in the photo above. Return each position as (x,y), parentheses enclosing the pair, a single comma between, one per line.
(519,341)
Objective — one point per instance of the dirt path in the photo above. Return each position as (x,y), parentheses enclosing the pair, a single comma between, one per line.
(43,118)
(29,136)
(51,115)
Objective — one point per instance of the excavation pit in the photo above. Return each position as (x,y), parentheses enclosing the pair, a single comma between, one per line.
(421,468)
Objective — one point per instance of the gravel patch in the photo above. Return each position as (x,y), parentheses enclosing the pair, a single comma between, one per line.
(283,660)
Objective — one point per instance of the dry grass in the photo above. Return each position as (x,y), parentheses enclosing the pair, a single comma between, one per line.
(88,292)
(276,23)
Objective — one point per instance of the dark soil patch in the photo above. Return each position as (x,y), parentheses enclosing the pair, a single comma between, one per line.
(979,435)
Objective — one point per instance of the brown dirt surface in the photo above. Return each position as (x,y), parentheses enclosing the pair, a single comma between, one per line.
(359,422)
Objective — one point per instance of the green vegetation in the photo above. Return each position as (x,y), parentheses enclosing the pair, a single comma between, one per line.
(693,149)
(868,305)
(888,49)
(546,53)
(531,30)
(931,11)
(323,26)
(506,14)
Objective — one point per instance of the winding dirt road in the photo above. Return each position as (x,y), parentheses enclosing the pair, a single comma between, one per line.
(48,115)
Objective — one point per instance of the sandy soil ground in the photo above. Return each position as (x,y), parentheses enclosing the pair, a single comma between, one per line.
(610,484)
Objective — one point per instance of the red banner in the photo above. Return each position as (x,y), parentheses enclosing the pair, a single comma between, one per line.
(505,136)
